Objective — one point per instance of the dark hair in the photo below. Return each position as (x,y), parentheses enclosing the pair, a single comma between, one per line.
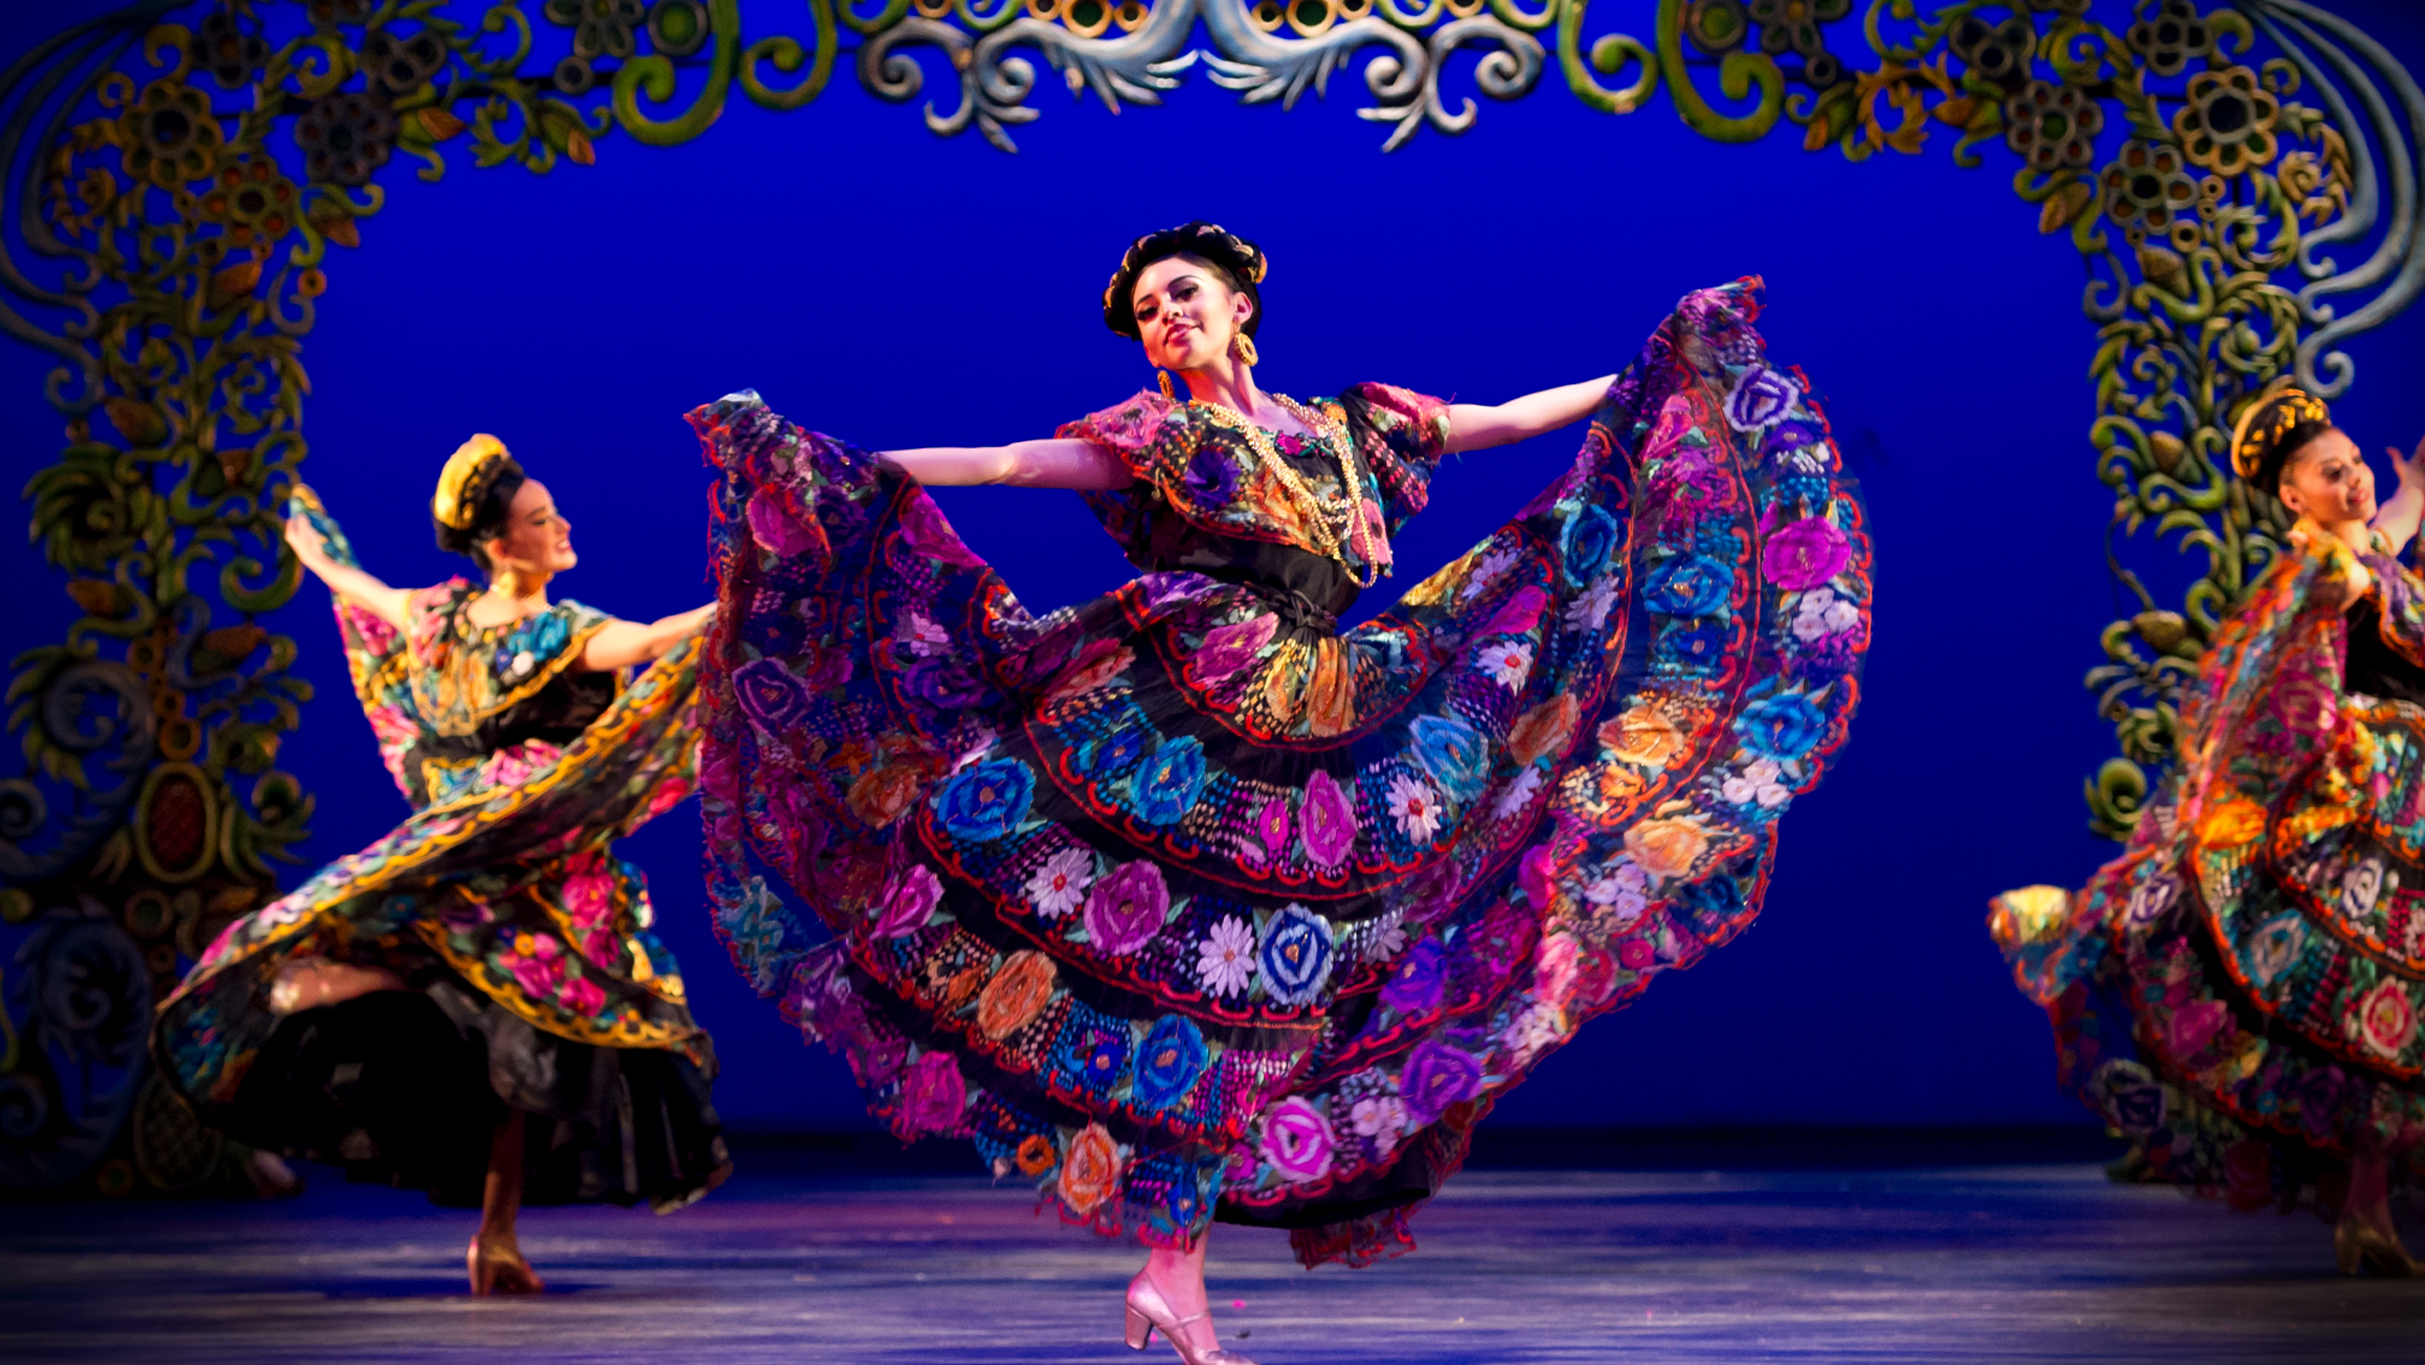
(1239,262)
(2271,430)
(490,494)
(2274,465)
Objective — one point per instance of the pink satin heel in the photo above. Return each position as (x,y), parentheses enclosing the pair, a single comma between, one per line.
(1147,1314)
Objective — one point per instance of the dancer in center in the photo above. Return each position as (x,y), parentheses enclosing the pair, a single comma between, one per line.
(1184,903)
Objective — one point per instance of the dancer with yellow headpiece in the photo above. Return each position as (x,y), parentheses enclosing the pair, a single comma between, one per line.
(2239,993)
(475,1005)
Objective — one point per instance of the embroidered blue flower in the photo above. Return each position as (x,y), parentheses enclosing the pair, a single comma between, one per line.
(532,643)
(1106,758)
(1693,648)
(1296,956)
(1092,1052)
(1452,752)
(1170,1062)
(1168,783)
(1586,544)
(1783,727)
(1690,585)
(987,801)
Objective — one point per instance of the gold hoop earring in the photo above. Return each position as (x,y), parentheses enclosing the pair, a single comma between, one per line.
(1163,377)
(1243,347)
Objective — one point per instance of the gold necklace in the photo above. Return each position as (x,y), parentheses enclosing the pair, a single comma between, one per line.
(1333,524)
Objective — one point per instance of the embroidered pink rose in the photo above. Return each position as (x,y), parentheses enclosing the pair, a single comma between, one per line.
(1520,615)
(1803,554)
(2197,1025)
(1553,970)
(1297,1140)
(776,530)
(2387,1018)
(582,997)
(1125,909)
(1635,954)
(537,964)
(589,891)
(930,535)
(1327,821)
(932,1094)
(908,901)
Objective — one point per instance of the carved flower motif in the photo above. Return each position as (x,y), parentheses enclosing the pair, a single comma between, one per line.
(345,137)
(253,201)
(232,55)
(1717,27)
(601,28)
(2227,126)
(2167,39)
(397,65)
(1793,26)
(2147,187)
(2053,127)
(2001,53)
(169,134)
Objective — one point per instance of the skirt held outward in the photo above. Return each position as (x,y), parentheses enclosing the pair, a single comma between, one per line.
(1183,903)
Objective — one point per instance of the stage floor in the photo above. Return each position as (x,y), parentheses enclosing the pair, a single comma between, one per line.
(1993,1263)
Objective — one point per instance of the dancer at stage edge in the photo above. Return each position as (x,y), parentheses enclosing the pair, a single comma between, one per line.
(474,1005)
(1185,904)
(2238,992)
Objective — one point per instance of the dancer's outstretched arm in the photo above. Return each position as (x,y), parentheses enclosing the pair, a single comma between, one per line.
(1474,426)
(2401,512)
(620,644)
(352,584)
(1021,464)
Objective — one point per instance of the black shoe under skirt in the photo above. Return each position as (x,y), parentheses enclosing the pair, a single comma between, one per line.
(406,1088)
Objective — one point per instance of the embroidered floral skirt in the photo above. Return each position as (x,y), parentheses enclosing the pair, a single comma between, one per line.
(508,907)
(1086,891)
(2238,993)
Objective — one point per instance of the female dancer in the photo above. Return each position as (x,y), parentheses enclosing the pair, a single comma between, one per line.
(1184,903)
(474,1005)
(2239,991)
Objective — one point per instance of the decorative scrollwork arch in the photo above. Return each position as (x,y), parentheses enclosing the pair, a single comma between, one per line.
(2211,162)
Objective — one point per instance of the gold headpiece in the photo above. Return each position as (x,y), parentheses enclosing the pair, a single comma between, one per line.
(462,470)
(2267,421)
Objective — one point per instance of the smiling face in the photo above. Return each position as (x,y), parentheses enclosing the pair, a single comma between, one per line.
(2327,480)
(537,540)
(1186,313)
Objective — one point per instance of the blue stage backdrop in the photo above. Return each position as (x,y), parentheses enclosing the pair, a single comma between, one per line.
(895,288)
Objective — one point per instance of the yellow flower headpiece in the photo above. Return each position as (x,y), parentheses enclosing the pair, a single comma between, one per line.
(463,469)
(2267,421)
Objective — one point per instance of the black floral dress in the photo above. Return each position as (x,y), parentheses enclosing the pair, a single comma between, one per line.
(1186,903)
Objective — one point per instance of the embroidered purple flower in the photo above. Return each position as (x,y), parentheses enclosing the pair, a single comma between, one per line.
(1170,781)
(1230,648)
(941,683)
(1414,986)
(1786,437)
(1296,1140)
(1296,956)
(909,900)
(1326,823)
(769,694)
(1272,827)
(1168,1065)
(1784,726)
(1436,1076)
(2197,1025)
(987,801)
(1760,397)
(1803,554)
(1211,477)
(1690,585)
(932,1094)
(1126,907)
